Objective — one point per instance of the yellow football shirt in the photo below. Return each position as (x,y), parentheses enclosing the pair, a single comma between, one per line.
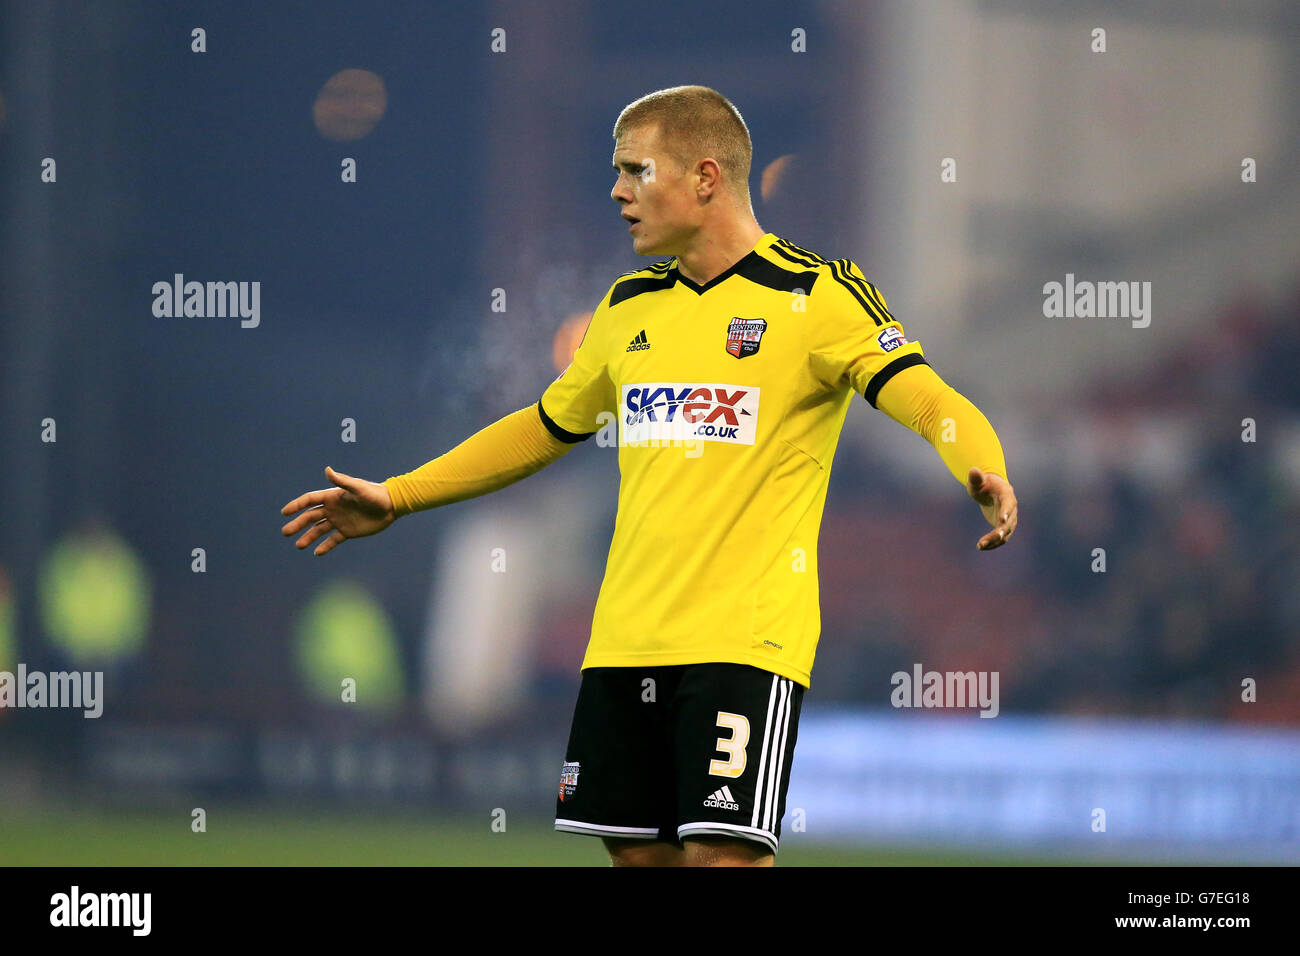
(726,401)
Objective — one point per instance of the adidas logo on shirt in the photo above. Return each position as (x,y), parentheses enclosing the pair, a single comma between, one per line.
(639,342)
(722,799)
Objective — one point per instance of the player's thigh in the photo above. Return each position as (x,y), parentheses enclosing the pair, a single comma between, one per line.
(623,852)
(706,850)
(616,781)
(734,733)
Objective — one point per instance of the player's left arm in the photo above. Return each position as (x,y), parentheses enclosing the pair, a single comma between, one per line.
(856,342)
(920,399)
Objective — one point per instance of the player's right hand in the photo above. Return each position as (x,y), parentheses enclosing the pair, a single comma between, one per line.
(354,509)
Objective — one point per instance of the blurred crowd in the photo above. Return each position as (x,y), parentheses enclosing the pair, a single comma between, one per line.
(1198,526)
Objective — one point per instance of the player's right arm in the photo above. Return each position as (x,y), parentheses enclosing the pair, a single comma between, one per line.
(508,450)
(524,441)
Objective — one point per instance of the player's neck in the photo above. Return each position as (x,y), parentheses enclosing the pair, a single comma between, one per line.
(710,254)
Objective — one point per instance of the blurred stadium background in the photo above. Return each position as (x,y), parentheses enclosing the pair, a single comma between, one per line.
(480,170)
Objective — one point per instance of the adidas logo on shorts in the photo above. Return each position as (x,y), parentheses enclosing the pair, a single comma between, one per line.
(722,800)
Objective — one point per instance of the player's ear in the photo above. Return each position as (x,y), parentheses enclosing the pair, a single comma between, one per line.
(708,176)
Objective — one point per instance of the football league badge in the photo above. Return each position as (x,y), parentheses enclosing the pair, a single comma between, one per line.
(744,336)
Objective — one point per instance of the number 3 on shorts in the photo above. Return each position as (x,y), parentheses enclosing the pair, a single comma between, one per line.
(733,747)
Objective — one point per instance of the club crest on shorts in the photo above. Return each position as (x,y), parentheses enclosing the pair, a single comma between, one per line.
(568,779)
(744,336)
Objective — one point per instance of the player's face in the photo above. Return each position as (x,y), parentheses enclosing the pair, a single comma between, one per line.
(653,189)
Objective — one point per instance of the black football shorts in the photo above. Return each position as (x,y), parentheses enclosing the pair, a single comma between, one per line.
(667,752)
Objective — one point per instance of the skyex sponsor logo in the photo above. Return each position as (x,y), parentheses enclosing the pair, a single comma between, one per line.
(83,689)
(210,300)
(722,799)
(946,689)
(1101,300)
(75,908)
(660,412)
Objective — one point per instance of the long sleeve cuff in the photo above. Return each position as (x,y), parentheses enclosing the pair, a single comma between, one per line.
(918,398)
(509,449)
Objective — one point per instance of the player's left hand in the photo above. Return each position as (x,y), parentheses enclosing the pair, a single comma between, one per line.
(997,499)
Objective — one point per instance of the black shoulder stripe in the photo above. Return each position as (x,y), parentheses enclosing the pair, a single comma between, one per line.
(846,270)
(801,251)
(789,257)
(571,438)
(659,268)
(792,256)
(889,371)
(767,273)
(872,301)
(630,288)
(858,293)
(869,290)
(876,297)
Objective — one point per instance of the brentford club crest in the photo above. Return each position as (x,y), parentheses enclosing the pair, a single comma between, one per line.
(568,779)
(744,335)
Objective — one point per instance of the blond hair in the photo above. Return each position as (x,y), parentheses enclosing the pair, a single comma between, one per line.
(695,122)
